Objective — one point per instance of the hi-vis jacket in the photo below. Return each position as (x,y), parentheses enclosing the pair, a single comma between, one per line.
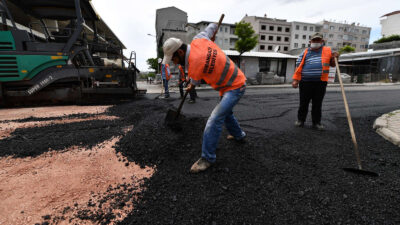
(208,62)
(325,60)
(181,73)
(165,72)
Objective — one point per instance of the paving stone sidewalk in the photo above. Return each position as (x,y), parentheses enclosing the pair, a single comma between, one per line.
(388,126)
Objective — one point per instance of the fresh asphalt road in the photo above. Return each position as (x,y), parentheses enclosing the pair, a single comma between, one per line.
(267,110)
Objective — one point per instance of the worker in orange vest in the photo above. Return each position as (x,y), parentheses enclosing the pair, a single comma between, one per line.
(311,75)
(184,81)
(205,60)
(165,75)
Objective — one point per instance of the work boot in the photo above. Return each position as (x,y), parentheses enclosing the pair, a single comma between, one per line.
(299,123)
(318,126)
(241,140)
(200,165)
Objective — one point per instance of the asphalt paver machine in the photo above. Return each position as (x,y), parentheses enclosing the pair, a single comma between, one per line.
(60,50)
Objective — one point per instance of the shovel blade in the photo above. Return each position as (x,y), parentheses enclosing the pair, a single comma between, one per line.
(362,172)
(173,115)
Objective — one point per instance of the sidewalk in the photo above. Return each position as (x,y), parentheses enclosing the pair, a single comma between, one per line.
(388,126)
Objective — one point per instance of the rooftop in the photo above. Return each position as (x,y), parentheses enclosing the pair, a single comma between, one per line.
(392,13)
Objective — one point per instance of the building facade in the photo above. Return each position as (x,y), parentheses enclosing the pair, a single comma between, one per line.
(390,23)
(225,37)
(273,34)
(301,34)
(338,35)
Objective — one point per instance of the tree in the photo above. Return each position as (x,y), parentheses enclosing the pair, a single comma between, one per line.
(153,64)
(394,37)
(247,38)
(347,49)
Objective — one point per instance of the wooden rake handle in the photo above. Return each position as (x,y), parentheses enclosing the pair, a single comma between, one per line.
(219,24)
(353,135)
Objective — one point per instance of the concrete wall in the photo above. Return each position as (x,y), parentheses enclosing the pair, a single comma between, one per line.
(290,67)
(299,31)
(170,18)
(390,25)
(249,66)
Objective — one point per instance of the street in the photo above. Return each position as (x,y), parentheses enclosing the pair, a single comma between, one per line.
(281,175)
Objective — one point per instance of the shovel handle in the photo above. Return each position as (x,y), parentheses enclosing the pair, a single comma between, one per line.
(219,24)
(353,135)
(178,112)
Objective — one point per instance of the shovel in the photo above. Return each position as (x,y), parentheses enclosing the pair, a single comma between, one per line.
(353,136)
(173,117)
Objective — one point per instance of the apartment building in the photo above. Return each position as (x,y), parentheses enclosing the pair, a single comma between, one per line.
(301,34)
(225,37)
(390,23)
(273,34)
(338,35)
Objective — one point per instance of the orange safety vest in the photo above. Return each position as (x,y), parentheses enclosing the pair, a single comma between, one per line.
(325,59)
(167,74)
(208,62)
(181,73)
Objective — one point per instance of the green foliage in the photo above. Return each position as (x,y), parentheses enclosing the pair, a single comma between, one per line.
(153,75)
(247,37)
(153,64)
(390,38)
(347,49)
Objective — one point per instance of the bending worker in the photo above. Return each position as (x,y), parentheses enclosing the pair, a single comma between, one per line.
(165,75)
(205,60)
(311,74)
(184,81)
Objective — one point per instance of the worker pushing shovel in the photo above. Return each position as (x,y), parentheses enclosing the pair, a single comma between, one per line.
(205,60)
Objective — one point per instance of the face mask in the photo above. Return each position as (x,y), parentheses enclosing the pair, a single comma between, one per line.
(315,45)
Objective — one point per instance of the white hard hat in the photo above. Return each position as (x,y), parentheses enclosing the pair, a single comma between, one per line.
(169,47)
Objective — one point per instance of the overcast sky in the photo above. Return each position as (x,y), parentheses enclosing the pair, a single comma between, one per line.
(132,20)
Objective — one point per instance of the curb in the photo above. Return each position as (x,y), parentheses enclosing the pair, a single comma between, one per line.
(381,127)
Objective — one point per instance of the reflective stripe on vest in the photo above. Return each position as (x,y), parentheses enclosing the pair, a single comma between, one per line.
(208,62)
(325,60)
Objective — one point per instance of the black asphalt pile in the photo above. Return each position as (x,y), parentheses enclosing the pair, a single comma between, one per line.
(291,177)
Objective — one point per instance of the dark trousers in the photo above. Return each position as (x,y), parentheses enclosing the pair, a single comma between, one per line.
(192,93)
(315,91)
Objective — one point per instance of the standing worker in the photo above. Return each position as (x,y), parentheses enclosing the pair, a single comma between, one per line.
(205,60)
(184,81)
(312,70)
(165,75)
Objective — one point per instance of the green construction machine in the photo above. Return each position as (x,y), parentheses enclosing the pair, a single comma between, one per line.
(60,50)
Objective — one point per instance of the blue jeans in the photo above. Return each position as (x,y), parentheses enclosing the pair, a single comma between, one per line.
(165,83)
(222,113)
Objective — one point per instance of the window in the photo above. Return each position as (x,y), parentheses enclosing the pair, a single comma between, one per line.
(354,46)
(309,37)
(279,29)
(271,28)
(262,47)
(311,28)
(296,36)
(346,37)
(329,43)
(340,28)
(297,27)
(226,40)
(286,39)
(287,29)
(326,26)
(331,28)
(364,32)
(303,45)
(340,36)
(305,28)
(279,38)
(271,38)
(269,47)
(262,37)
(304,37)
(285,48)
(339,45)
(220,29)
(363,39)
(330,35)
(356,31)
(362,46)
(232,30)
(355,38)
(296,45)
(226,30)
(263,27)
